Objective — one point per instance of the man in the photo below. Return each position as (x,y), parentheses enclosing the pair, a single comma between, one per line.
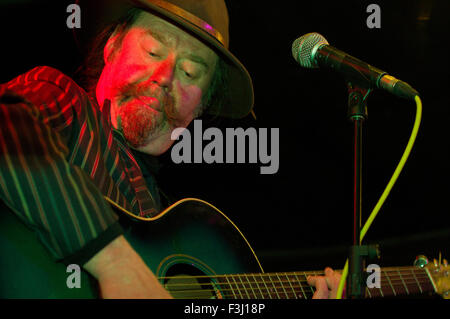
(63,152)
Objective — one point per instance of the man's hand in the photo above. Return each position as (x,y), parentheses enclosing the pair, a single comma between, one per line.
(326,286)
(122,274)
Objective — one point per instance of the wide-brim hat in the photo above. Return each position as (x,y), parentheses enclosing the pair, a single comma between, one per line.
(207,20)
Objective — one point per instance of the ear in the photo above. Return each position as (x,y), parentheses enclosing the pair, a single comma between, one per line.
(111,45)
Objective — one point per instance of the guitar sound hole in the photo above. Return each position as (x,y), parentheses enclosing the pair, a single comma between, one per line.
(185,281)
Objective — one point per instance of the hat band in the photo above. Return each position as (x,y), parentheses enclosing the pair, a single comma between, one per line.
(190,18)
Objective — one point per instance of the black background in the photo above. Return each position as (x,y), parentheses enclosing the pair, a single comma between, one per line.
(301,217)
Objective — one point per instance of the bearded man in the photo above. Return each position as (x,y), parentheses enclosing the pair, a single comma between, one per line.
(69,153)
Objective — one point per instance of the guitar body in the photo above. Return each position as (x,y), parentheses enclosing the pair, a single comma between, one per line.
(190,239)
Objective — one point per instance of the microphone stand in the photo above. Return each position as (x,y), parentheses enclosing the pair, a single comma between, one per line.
(357,112)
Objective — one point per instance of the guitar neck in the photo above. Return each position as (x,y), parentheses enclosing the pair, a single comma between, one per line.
(399,281)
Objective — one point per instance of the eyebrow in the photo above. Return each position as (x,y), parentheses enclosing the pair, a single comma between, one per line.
(164,39)
(160,36)
(198,59)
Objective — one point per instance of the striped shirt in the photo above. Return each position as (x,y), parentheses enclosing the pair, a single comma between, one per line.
(60,158)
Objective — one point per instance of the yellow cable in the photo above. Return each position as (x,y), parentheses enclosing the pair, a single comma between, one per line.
(386,192)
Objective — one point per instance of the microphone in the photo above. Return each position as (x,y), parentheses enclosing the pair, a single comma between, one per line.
(312,50)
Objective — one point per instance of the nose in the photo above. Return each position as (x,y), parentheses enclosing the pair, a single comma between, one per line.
(163,73)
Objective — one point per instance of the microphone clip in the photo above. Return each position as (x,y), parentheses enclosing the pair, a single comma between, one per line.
(357,101)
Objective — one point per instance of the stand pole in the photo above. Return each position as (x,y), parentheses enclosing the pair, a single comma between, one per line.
(357,188)
(358,114)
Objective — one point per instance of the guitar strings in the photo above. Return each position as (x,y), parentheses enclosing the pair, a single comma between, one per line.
(270,290)
(304,274)
(228,282)
(247,286)
(280,292)
(396,278)
(240,292)
(256,293)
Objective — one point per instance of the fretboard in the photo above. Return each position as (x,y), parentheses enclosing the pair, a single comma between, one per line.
(399,281)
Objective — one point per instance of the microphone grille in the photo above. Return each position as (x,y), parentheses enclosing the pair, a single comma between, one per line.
(303,49)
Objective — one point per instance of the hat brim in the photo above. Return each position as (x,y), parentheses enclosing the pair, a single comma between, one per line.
(239,96)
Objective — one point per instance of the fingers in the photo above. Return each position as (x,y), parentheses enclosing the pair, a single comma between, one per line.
(333,279)
(321,286)
(326,286)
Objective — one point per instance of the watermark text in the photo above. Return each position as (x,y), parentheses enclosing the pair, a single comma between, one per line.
(235,146)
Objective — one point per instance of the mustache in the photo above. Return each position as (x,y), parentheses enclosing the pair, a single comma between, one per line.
(166,99)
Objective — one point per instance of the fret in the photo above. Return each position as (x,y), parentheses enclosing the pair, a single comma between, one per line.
(267,288)
(251,287)
(425,279)
(381,290)
(306,280)
(243,287)
(410,281)
(297,285)
(406,288)
(431,281)
(274,287)
(415,278)
(375,292)
(257,285)
(301,286)
(231,287)
(282,286)
(238,288)
(390,284)
(397,283)
(368,292)
(293,290)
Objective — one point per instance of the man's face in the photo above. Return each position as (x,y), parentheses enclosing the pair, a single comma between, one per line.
(155,80)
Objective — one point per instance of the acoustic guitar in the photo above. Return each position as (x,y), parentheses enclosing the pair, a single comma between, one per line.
(196,251)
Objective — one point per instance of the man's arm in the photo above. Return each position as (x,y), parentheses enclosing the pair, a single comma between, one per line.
(56,198)
(49,194)
(30,162)
(122,273)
